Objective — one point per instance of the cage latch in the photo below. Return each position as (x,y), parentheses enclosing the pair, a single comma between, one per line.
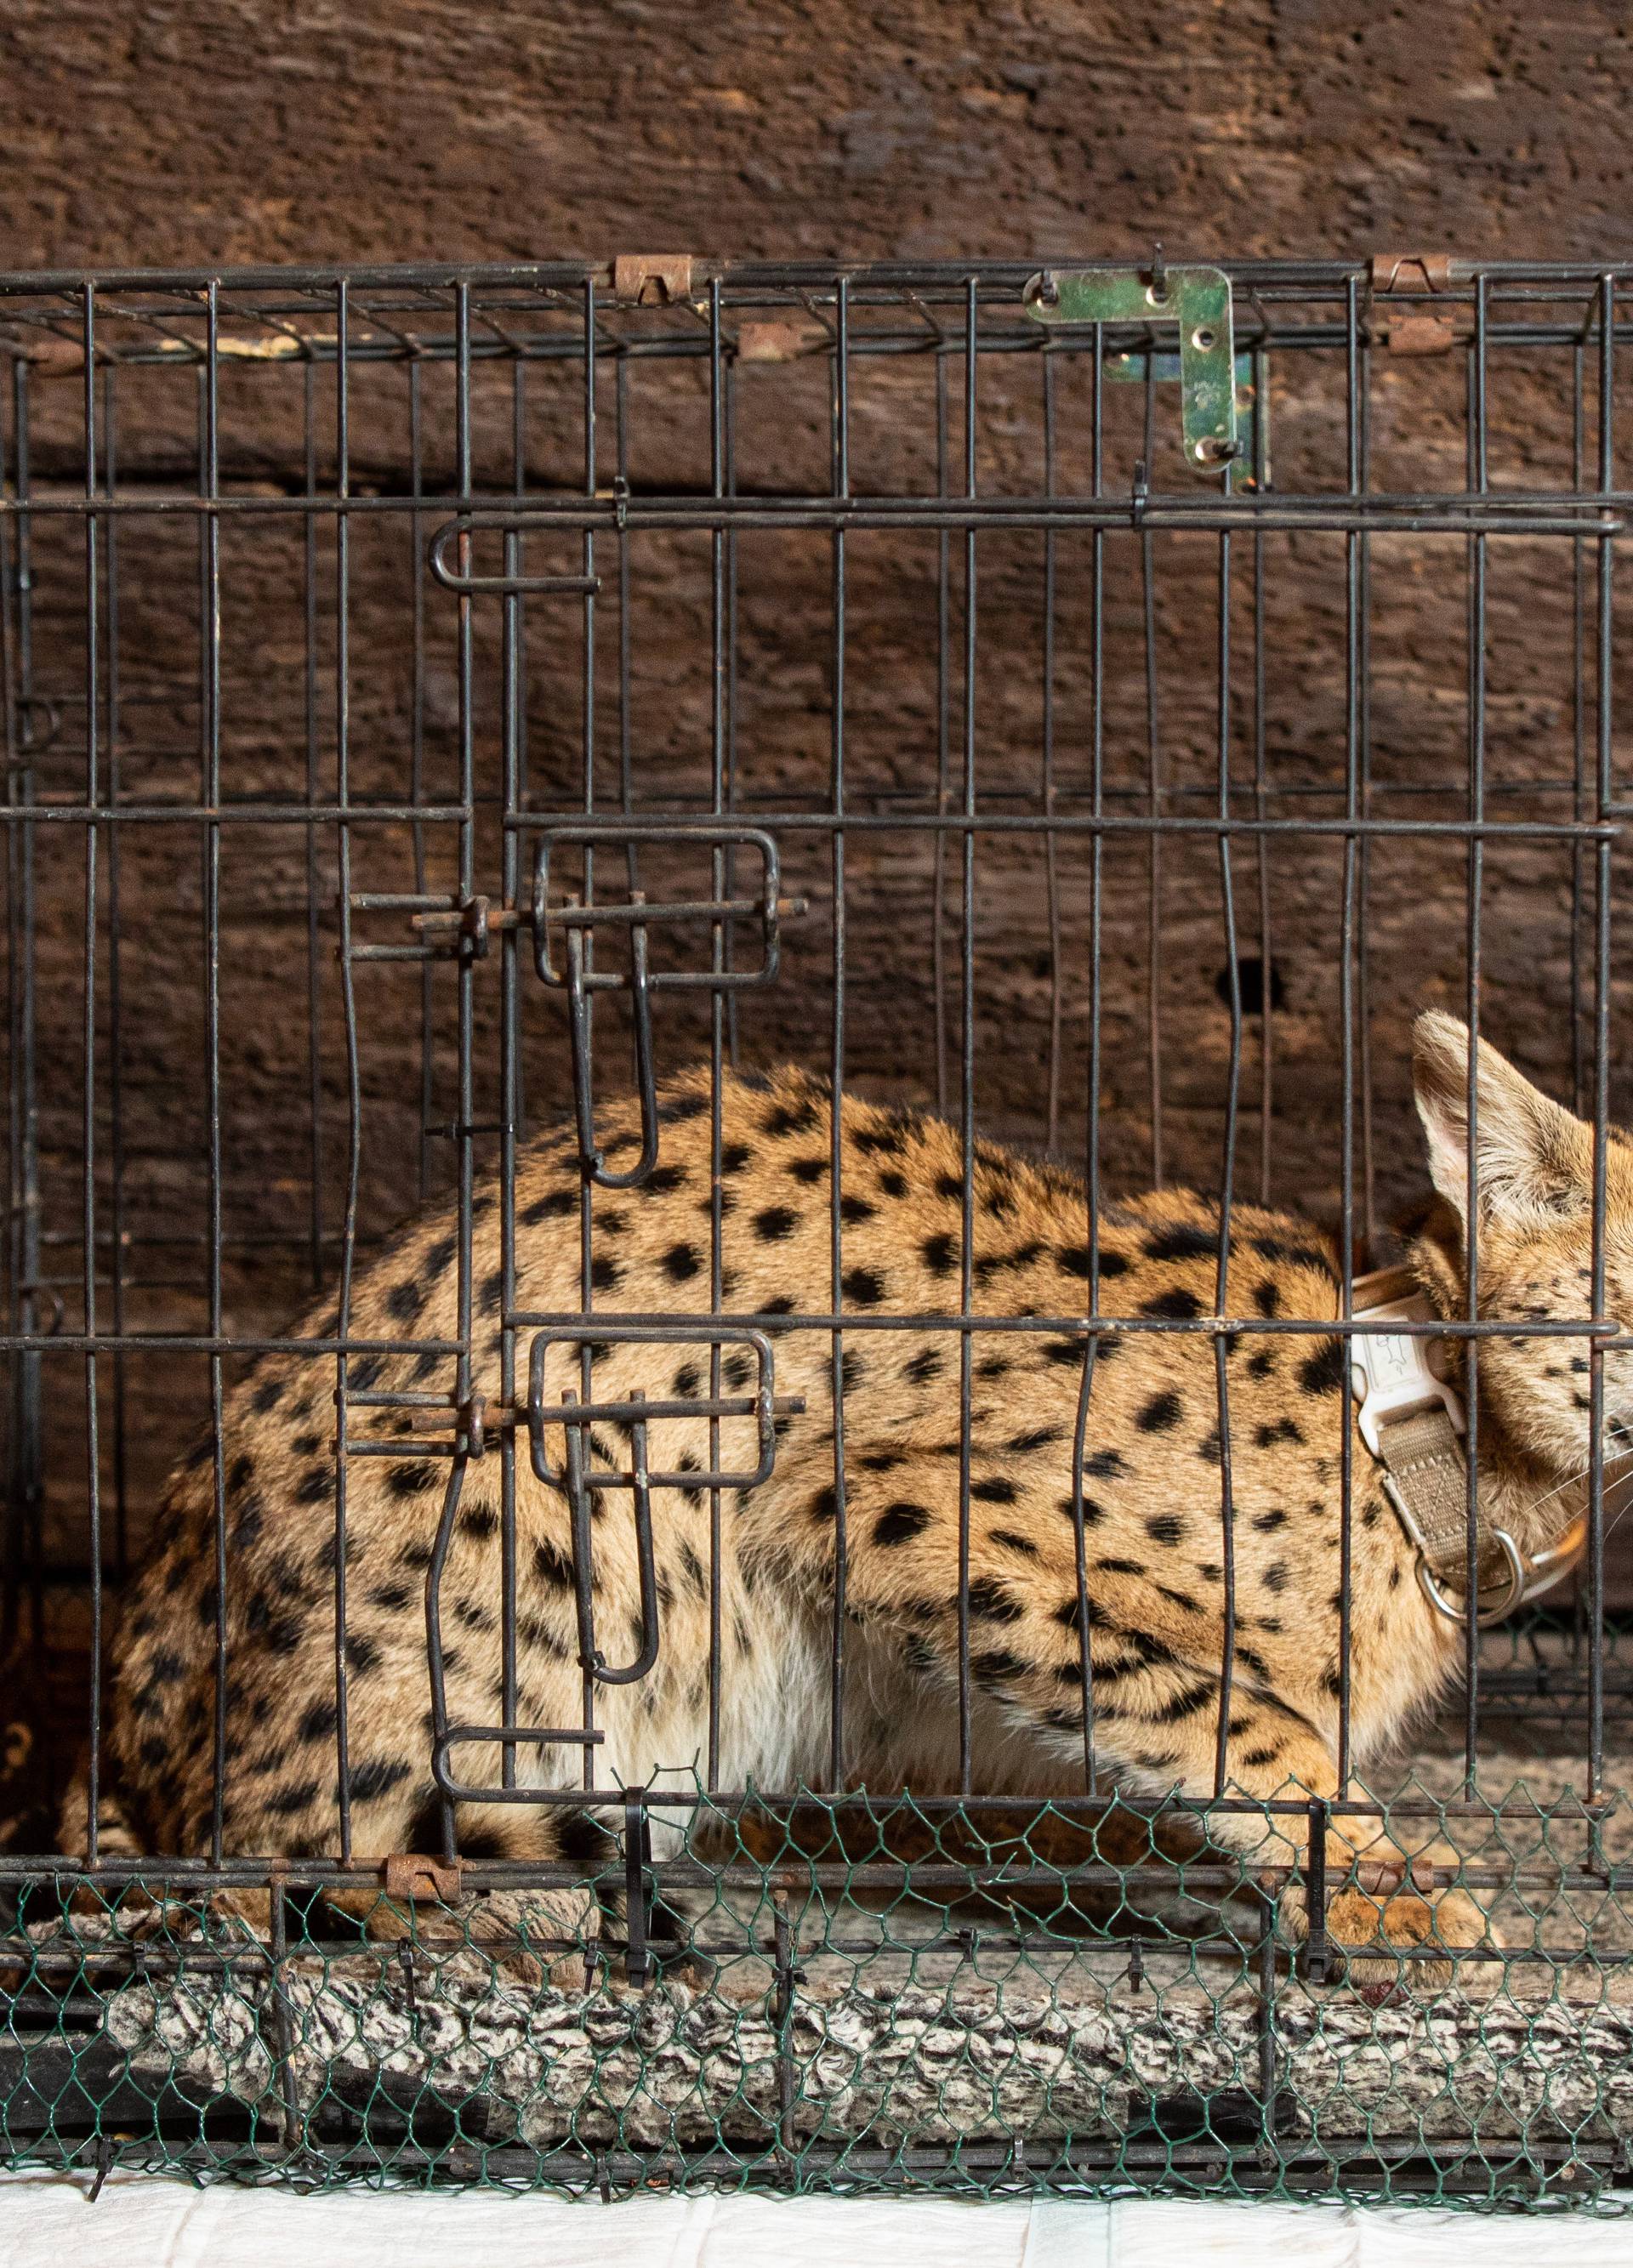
(1402,281)
(1198,301)
(578,1480)
(574,917)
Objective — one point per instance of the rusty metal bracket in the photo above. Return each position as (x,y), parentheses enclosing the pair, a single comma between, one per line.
(783,342)
(1413,272)
(652,279)
(414,1878)
(1406,326)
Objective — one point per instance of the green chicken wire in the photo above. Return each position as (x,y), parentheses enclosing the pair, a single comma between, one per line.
(877,1993)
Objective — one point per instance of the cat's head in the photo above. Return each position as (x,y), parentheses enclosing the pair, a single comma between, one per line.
(1531,1223)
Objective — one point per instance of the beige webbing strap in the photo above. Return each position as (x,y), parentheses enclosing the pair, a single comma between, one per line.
(1422,1454)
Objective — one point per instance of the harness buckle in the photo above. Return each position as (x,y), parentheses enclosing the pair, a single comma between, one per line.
(1392,1375)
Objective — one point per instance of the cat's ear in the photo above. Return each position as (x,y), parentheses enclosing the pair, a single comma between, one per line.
(1533,1161)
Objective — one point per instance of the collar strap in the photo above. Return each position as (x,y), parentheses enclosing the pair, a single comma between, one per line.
(1414,1422)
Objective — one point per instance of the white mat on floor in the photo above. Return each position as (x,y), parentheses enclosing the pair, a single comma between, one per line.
(142,2221)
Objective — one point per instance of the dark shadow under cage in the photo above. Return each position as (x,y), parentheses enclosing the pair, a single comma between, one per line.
(441,703)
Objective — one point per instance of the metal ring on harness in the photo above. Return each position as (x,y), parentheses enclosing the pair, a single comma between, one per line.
(1486,1615)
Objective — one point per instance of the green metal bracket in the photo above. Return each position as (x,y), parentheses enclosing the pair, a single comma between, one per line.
(1251,467)
(1198,300)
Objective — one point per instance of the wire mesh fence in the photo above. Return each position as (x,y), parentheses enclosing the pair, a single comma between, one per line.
(756,1640)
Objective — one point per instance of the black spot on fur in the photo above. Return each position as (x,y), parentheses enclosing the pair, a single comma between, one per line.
(555,1206)
(737,1369)
(362,1654)
(773,1223)
(940,1252)
(402,1302)
(1268,1523)
(1119,1566)
(605,1273)
(492,1291)
(1176,1307)
(993,1603)
(1074,1258)
(786,1118)
(881,1141)
(681,1263)
(1277,1248)
(863,1287)
(1182,1241)
(663,1180)
(1267,1299)
(996,1668)
(924,1367)
(391,1598)
(1039,1438)
(582,1840)
(1185,1703)
(1161,1414)
(405,1481)
(892,1183)
(1104,1464)
(899,1523)
(267,1396)
(479,1520)
(808,1171)
(856,1210)
(284,1802)
(316,1486)
(1283,1430)
(1275,1577)
(853,1370)
(823,1506)
(995,1490)
(1012,1541)
(378,1776)
(1261,1365)
(1164,1528)
(1093,1512)
(1323,1372)
(552,1566)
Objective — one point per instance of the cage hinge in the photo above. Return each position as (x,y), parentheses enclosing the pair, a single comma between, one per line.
(652,279)
(1406,326)
(1198,301)
(410,1875)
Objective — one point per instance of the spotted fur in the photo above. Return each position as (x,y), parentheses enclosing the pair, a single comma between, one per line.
(1155,1539)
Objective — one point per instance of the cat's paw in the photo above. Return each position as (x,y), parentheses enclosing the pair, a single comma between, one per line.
(1388,1908)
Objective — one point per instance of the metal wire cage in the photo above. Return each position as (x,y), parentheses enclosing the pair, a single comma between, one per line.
(437,700)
